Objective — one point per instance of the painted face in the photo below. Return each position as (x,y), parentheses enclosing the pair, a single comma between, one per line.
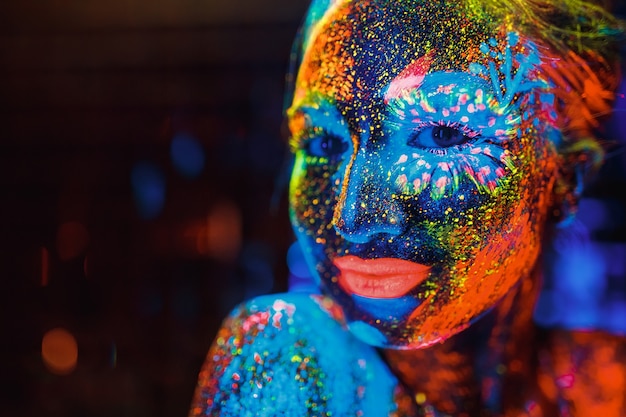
(423,165)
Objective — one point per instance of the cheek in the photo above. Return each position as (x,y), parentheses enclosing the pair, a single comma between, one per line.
(482,272)
(465,219)
(485,167)
(312,197)
(494,244)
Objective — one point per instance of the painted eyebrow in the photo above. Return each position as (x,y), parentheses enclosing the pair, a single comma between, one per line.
(410,78)
(437,88)
(321,114)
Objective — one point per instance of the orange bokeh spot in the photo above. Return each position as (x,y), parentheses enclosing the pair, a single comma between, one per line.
(222,235)
(59,351)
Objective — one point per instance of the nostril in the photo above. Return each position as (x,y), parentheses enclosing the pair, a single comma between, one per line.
(366,206)
(360,223)
(351,235)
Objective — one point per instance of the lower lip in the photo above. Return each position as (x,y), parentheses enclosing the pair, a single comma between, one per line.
(379,278)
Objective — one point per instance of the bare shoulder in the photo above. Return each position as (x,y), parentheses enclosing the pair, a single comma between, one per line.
(585,372)
(289,354)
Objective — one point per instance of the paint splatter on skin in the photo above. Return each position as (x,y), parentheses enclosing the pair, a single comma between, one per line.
(294,358)
(430,158)
(429,152)
(456,131)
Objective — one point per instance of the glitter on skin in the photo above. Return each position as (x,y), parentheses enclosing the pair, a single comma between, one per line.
(398,191)
(276,352)
(444,134)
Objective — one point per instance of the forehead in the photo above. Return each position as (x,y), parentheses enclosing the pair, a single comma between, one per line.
(357,48)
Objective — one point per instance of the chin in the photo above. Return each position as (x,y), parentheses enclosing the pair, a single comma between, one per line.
(404,341)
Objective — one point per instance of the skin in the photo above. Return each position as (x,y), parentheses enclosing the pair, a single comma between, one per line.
(418,157)
(424,177)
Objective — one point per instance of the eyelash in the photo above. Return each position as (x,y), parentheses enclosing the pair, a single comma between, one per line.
(463,128)
(301,141)
(304,141)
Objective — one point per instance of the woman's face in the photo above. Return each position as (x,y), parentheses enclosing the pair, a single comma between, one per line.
(423,166)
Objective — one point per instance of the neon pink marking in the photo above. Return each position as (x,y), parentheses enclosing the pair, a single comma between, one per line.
(410,78)
(276,320)
(446,89)
(427,107)
(442,182)
(565,381)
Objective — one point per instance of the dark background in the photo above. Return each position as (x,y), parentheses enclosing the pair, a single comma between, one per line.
(112,229)
(137,255)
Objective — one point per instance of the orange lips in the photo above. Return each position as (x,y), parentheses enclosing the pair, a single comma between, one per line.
(379,278)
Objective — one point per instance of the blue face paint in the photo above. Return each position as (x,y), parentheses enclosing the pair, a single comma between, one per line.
(449,105)
(417,171)
(386,309)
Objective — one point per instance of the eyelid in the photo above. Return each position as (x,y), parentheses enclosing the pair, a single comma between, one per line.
(311,121)
(315,133)
(322,114)
(465,129)
(301,139)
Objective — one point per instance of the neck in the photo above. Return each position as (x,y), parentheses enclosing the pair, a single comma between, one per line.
(482,369)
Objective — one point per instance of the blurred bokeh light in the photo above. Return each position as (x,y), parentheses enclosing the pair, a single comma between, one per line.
(187,155)
(220,237)
(59,351)
(148,185)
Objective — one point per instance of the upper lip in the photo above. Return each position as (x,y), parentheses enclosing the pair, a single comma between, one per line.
(379,277)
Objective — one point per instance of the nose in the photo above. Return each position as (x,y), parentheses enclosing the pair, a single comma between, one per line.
(367,205)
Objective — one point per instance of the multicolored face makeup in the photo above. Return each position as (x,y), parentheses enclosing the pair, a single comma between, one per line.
(423,165)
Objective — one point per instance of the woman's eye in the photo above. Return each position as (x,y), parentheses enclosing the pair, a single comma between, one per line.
(438,137)
(328,146)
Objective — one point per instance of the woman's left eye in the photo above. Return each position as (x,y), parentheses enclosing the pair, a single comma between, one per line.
(438,137)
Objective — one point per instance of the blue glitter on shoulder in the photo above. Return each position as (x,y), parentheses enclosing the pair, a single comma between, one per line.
(286,355)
